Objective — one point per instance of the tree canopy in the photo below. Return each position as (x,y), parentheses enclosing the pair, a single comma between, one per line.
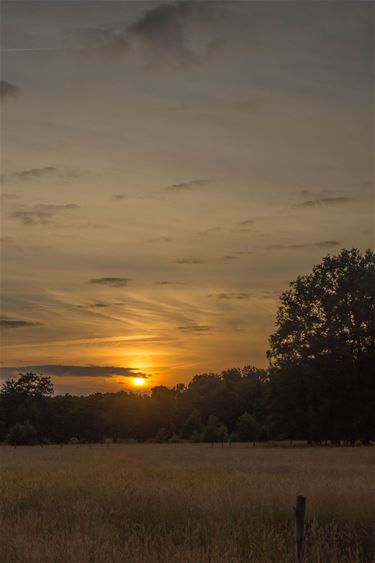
(323,350)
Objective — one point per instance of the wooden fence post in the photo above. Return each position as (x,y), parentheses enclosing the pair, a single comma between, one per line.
(299,527)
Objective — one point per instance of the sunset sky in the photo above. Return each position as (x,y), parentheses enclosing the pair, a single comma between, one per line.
(167,169)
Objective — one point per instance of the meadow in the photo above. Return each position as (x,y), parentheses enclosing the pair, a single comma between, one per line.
(184,503)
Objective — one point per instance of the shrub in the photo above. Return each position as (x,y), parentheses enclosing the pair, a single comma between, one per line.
(161,436)
(175,439)
(22,435)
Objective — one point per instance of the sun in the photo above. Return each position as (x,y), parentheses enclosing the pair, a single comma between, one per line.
(139,381)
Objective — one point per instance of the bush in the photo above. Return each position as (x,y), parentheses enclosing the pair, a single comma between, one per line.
(22,435)
(161,436)
(175,439)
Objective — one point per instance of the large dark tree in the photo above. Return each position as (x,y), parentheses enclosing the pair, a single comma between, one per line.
(25,399)
(323,351)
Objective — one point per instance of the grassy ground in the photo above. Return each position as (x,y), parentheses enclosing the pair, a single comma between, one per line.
(184,503)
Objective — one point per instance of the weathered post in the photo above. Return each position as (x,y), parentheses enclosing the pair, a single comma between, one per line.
(299,527)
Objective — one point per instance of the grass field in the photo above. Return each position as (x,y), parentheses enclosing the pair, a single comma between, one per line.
(184,503)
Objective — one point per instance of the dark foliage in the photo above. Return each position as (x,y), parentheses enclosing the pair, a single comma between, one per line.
(320,384)
(22,435)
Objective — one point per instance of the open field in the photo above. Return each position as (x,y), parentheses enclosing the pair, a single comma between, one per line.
(184,503)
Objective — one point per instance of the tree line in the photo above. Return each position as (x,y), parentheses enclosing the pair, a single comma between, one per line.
(319,386)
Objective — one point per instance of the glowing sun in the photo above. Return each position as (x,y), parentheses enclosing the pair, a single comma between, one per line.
(138,381)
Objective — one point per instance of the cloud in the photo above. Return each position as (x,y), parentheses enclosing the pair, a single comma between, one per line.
(93,306)
(327,243)
(169,283)
(8,91)
(247,222)
(184,186)
(194,261)
(195,328)
(42,213)
(72,371)
(111,282)
(9,323)
(161,35)
(320,201)
(319,244)
(229,257)
(118,197)
(40,173)
(240,296)
(4,240)
(29,174)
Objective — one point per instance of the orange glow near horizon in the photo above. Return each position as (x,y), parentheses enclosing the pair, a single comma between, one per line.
(139,381)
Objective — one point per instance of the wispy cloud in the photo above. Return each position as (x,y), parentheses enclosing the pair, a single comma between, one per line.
(8,91)
(321,201)
(319,244)
(118,197)
(166,282)
(240,296)
(229,257)
(10,322)
(73,371)
(192,261)
(111,282)
(42,213)
(246,222)
(195,328)
(93,306)
(184,186)
(29,174)
(40,173)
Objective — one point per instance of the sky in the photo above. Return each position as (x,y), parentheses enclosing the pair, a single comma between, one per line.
(167,169)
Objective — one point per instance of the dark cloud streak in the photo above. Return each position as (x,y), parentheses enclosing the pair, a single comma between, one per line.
(11,323)
(319,244)
(41,214)
(195,328)
(184,186)
(73,371)
(111,282)
(319,202)
(191,261)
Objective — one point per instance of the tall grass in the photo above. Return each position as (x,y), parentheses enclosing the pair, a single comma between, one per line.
(184,503)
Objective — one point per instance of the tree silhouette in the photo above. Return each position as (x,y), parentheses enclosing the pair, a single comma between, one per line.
(323,349)
(246,428)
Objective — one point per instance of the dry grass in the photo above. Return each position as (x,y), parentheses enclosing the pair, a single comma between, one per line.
(184,504)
